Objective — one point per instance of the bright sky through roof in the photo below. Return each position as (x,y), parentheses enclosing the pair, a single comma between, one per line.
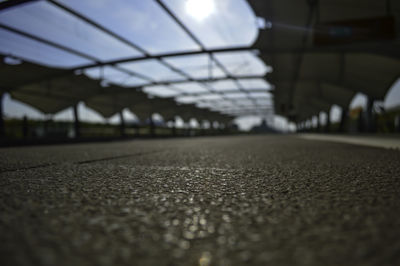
(200,9)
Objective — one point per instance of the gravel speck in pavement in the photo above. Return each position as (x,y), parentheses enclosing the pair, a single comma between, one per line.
(248,200)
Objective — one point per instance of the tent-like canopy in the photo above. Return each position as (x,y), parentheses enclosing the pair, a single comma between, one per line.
(114,54)
(310,55)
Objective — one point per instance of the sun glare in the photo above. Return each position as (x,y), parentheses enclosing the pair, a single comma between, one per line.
(200,9)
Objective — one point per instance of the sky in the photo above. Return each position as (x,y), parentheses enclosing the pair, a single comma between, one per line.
(151,29)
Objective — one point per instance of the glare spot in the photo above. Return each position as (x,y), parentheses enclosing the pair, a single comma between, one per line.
(200,9)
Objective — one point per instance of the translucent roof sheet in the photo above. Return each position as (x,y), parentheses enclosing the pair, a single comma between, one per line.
(190,87)
(152,67)
(242,63)
(196,66)
(31,50)
(264,101)
(115,76)
(136,43)
(254,84)
(233,27)
(222,104)
(236,95)
(51,23)
(244,102)
(161,91)
(260,94)
(223,85)
(211,97)
(138,21)
(186,99)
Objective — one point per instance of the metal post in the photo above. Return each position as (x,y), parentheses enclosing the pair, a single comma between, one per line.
(152,127)
(328,122)
(25,127)
(370,115)
(360,122)
(397,123)
(122,125)
(318,124)
(2,129)
(173,130)
(343,120)
(76,122)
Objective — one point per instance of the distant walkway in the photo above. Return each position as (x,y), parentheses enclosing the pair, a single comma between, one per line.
(381,141)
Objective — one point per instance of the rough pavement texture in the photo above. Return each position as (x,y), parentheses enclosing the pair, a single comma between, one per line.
(267,200)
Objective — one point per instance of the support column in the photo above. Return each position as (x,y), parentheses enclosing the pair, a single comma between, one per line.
(318,129)
(122,123)
(77,128)
(370,115)
(328,122)
(188,129)
(361,122)
(173,130)
(397,123)
(25,127)
(202,128)
(343,120)
(152,127)
(2,128)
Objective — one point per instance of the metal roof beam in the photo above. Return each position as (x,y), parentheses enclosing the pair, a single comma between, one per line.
(198,42)
(13,3)
(165,55)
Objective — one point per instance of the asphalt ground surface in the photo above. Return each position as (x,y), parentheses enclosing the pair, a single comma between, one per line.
(245,200)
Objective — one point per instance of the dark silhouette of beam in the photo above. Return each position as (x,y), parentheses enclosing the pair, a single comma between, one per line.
(77,127)
(13,3)
(165,55)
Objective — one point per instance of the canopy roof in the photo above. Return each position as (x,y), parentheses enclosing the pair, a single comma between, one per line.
(151,56)
(113,54)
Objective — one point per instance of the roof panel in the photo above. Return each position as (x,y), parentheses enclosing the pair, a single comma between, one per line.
(186,99)
(51,23)
(158,71)
(190,87)
(161,91)
(138,21)
(25,48)
(245,101)
(242,63)
(223,85)
(196,66)
(210,97)
(260,95)
(254,84)
(115,76)
(236,95)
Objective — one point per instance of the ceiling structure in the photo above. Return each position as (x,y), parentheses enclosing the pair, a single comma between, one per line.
(311,54)
(323,52)
(76,51)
